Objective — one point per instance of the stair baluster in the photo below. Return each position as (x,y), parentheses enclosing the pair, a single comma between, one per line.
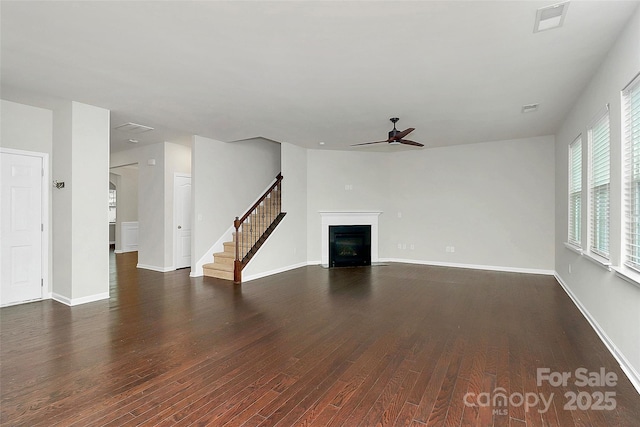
(255,226)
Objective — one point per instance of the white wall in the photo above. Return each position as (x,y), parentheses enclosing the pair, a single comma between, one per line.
(493,202)
(611,303)
(89,207)
(227,178)
(61,199)
(23,127)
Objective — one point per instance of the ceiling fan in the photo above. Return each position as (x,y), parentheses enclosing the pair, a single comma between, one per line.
(396,137)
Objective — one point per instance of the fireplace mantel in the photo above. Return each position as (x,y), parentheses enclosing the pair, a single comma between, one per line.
(349,218)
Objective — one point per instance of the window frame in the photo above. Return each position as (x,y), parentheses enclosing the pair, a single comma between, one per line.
(631,199)
(599,188)
(575,194)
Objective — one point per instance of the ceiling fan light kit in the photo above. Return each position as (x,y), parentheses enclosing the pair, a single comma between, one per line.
(396,137)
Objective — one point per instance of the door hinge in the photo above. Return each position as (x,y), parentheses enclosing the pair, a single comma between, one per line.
(41,227)
(42,283)
(42,170)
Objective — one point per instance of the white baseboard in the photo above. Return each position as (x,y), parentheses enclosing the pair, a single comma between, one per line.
(155,268)
(626,367)
(275,271)
(449,264)
(77,301)
(471,266)
(122,251)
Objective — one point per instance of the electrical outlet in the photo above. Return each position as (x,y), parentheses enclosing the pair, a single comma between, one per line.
(413,246)
(399,245)
(453,249)
(404,246)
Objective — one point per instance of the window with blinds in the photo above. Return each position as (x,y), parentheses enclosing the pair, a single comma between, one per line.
(599,185)
(631,135)
(575,192)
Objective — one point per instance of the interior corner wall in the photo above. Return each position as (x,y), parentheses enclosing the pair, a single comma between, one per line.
(226,178)
(61,199)
(23,127)
(493,202)
(286,248)
(610,302)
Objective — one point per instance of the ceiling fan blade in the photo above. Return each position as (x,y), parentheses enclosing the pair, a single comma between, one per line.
(368,143)
(408,142)
(398,136)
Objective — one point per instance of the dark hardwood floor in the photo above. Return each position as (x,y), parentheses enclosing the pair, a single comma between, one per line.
(387,345)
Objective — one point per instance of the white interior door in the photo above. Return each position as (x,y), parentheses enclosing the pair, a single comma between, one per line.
(21,228)
(182,210)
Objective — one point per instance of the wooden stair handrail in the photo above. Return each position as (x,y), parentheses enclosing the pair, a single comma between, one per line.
(237,221)
(238,263)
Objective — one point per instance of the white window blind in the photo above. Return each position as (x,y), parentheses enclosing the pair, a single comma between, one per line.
(599,185)
(575,192)
(631,135)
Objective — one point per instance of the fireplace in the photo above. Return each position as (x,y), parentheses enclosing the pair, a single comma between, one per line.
(341,218)
(349,245)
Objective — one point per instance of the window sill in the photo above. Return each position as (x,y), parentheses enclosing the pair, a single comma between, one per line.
(598,260)
(628,275)
(573,248)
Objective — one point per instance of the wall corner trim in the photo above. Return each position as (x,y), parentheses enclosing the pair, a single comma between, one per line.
(78,301)
(155,268)
(471,266)
(275,271)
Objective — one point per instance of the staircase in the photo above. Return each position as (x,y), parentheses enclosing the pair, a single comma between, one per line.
(252,230)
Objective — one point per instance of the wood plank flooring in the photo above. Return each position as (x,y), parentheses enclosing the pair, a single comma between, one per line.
(395,345)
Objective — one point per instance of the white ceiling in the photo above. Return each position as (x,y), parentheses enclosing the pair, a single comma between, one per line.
(304,72)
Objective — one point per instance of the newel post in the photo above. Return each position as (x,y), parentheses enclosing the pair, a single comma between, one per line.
(237,263)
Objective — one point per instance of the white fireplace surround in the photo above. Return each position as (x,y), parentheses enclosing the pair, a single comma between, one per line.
(349,218)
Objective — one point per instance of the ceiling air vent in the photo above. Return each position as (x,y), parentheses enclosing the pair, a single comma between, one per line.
(550,17)
(133,128)
(530,108)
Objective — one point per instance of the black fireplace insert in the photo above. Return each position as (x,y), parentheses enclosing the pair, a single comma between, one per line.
(349,245)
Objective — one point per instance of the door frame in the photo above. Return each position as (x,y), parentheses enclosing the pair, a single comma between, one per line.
(46,291)
(175,221)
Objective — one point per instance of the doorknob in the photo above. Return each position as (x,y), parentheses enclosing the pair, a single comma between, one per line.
(179,227)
